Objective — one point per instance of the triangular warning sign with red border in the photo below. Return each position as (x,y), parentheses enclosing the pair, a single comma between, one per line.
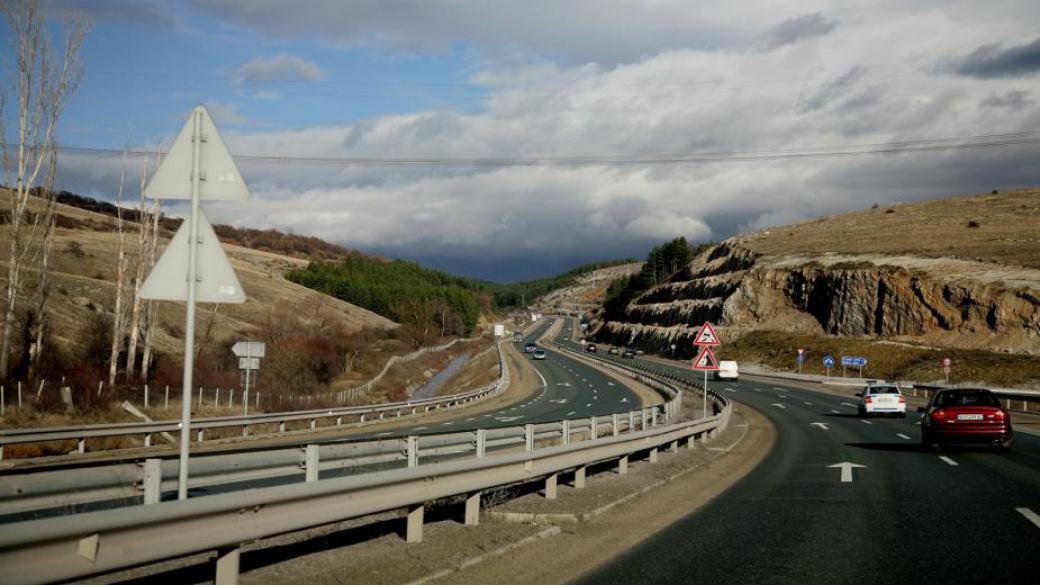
(706,336)
(705,361)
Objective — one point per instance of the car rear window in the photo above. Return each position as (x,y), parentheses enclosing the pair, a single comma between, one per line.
(884,390)
(966,398)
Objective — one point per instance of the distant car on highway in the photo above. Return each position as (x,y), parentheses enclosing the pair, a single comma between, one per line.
(639,352)
(881,398)
(728,370)
(628,354)
(591,348)
(530,348)
(614,351)
(539,354)
(965,415)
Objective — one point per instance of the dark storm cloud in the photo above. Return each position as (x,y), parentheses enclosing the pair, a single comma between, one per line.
(997,61)
(1012,99)
(799,28)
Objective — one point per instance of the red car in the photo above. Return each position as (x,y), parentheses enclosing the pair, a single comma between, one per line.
(965,415)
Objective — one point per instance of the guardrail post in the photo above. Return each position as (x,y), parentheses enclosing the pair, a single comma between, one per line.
(481,442)
(201,436)
(644,415)
(82,445)
(653,455)
(152,481)
(415,523)
(674,448)
(614,421)
(148,440)
(691,441)
(473,509)
(592,427)
(314,423)
(412,450)
(565,431)
(579,478)
(529,437)
(227,566)
(653,417)
(339,421)
(311,462)
(622,465)
(281,427)
(550,486)
(245,430)
(631,421)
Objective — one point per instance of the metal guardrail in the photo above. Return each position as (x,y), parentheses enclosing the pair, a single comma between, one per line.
(364,414)
(55,549)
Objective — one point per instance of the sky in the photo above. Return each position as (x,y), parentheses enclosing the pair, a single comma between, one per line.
(519,139)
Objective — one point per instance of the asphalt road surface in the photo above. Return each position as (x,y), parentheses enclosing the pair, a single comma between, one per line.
(907,514)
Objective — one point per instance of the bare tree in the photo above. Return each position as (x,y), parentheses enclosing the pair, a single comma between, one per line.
(149,320)
(119,310)
(39,328)
(43,81)
(140,261)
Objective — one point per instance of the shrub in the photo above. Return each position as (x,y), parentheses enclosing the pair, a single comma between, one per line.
(973,224)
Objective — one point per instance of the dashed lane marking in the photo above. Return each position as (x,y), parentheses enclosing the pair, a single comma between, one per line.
(835,411)
(948,461)
(808,403)
(902,436)
(866,422)
(570,413)
(1030,515)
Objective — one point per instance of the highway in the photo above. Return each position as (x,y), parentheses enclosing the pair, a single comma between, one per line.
(900,513)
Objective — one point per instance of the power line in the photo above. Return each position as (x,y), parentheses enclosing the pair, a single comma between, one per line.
(985,141)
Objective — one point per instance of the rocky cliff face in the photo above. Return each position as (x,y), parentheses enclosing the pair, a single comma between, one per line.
(945,301)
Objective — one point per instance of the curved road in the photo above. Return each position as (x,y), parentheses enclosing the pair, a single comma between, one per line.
(908,515)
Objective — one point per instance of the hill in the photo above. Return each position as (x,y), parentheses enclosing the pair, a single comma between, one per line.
(84,275)
(957,275)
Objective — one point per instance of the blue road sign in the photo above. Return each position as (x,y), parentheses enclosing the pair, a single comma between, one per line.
(853,361)
(801,358)
(828,361)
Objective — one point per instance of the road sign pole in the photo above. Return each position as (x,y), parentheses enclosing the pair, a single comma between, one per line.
(189,322)
(705,401)
(249,354)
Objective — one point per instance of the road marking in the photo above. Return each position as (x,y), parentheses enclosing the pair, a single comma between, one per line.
(776,388)
(419,428)
(729,390)
(781,396)
(559,401)
(866,422)
(846,470)
(821,425)
(589,404)
(779,406)
(541,377)
(610,383)
(756,390)
(383,434)
(570,413)
(808,403)
(447,423)
(1030,515)
(507,418)
(902,436)
(847,404)
(948,461)
(563,383)
(835,411)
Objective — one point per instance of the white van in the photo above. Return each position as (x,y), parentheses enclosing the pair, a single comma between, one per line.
(727,370)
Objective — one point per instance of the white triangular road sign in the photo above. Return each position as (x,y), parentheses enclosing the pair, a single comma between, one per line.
(706,336)
(219,178)
(217,283)
(705,361)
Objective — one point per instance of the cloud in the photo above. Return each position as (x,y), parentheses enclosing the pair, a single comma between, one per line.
(281,67)
(995,60)
(799,28)
(145,13)
(874,83)
(1013,99)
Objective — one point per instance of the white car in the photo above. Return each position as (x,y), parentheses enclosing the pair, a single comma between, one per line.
(881,398)
(539,354)
(728,370)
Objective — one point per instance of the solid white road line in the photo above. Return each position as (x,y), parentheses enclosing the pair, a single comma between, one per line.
(902,436)
(540,376)
(1030,515)
(948,461)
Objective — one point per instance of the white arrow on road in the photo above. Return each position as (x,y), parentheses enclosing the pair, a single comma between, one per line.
(779,405)
(821,425)
(846,470)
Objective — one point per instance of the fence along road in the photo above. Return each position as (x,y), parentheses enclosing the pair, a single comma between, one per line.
(41,492)
(54,549)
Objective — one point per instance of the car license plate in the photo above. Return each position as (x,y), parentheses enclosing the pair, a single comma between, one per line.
(969,417)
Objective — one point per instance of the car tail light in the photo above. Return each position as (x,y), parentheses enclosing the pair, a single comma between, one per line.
(868,399)
(999,415)
(902,399)
(939,414)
